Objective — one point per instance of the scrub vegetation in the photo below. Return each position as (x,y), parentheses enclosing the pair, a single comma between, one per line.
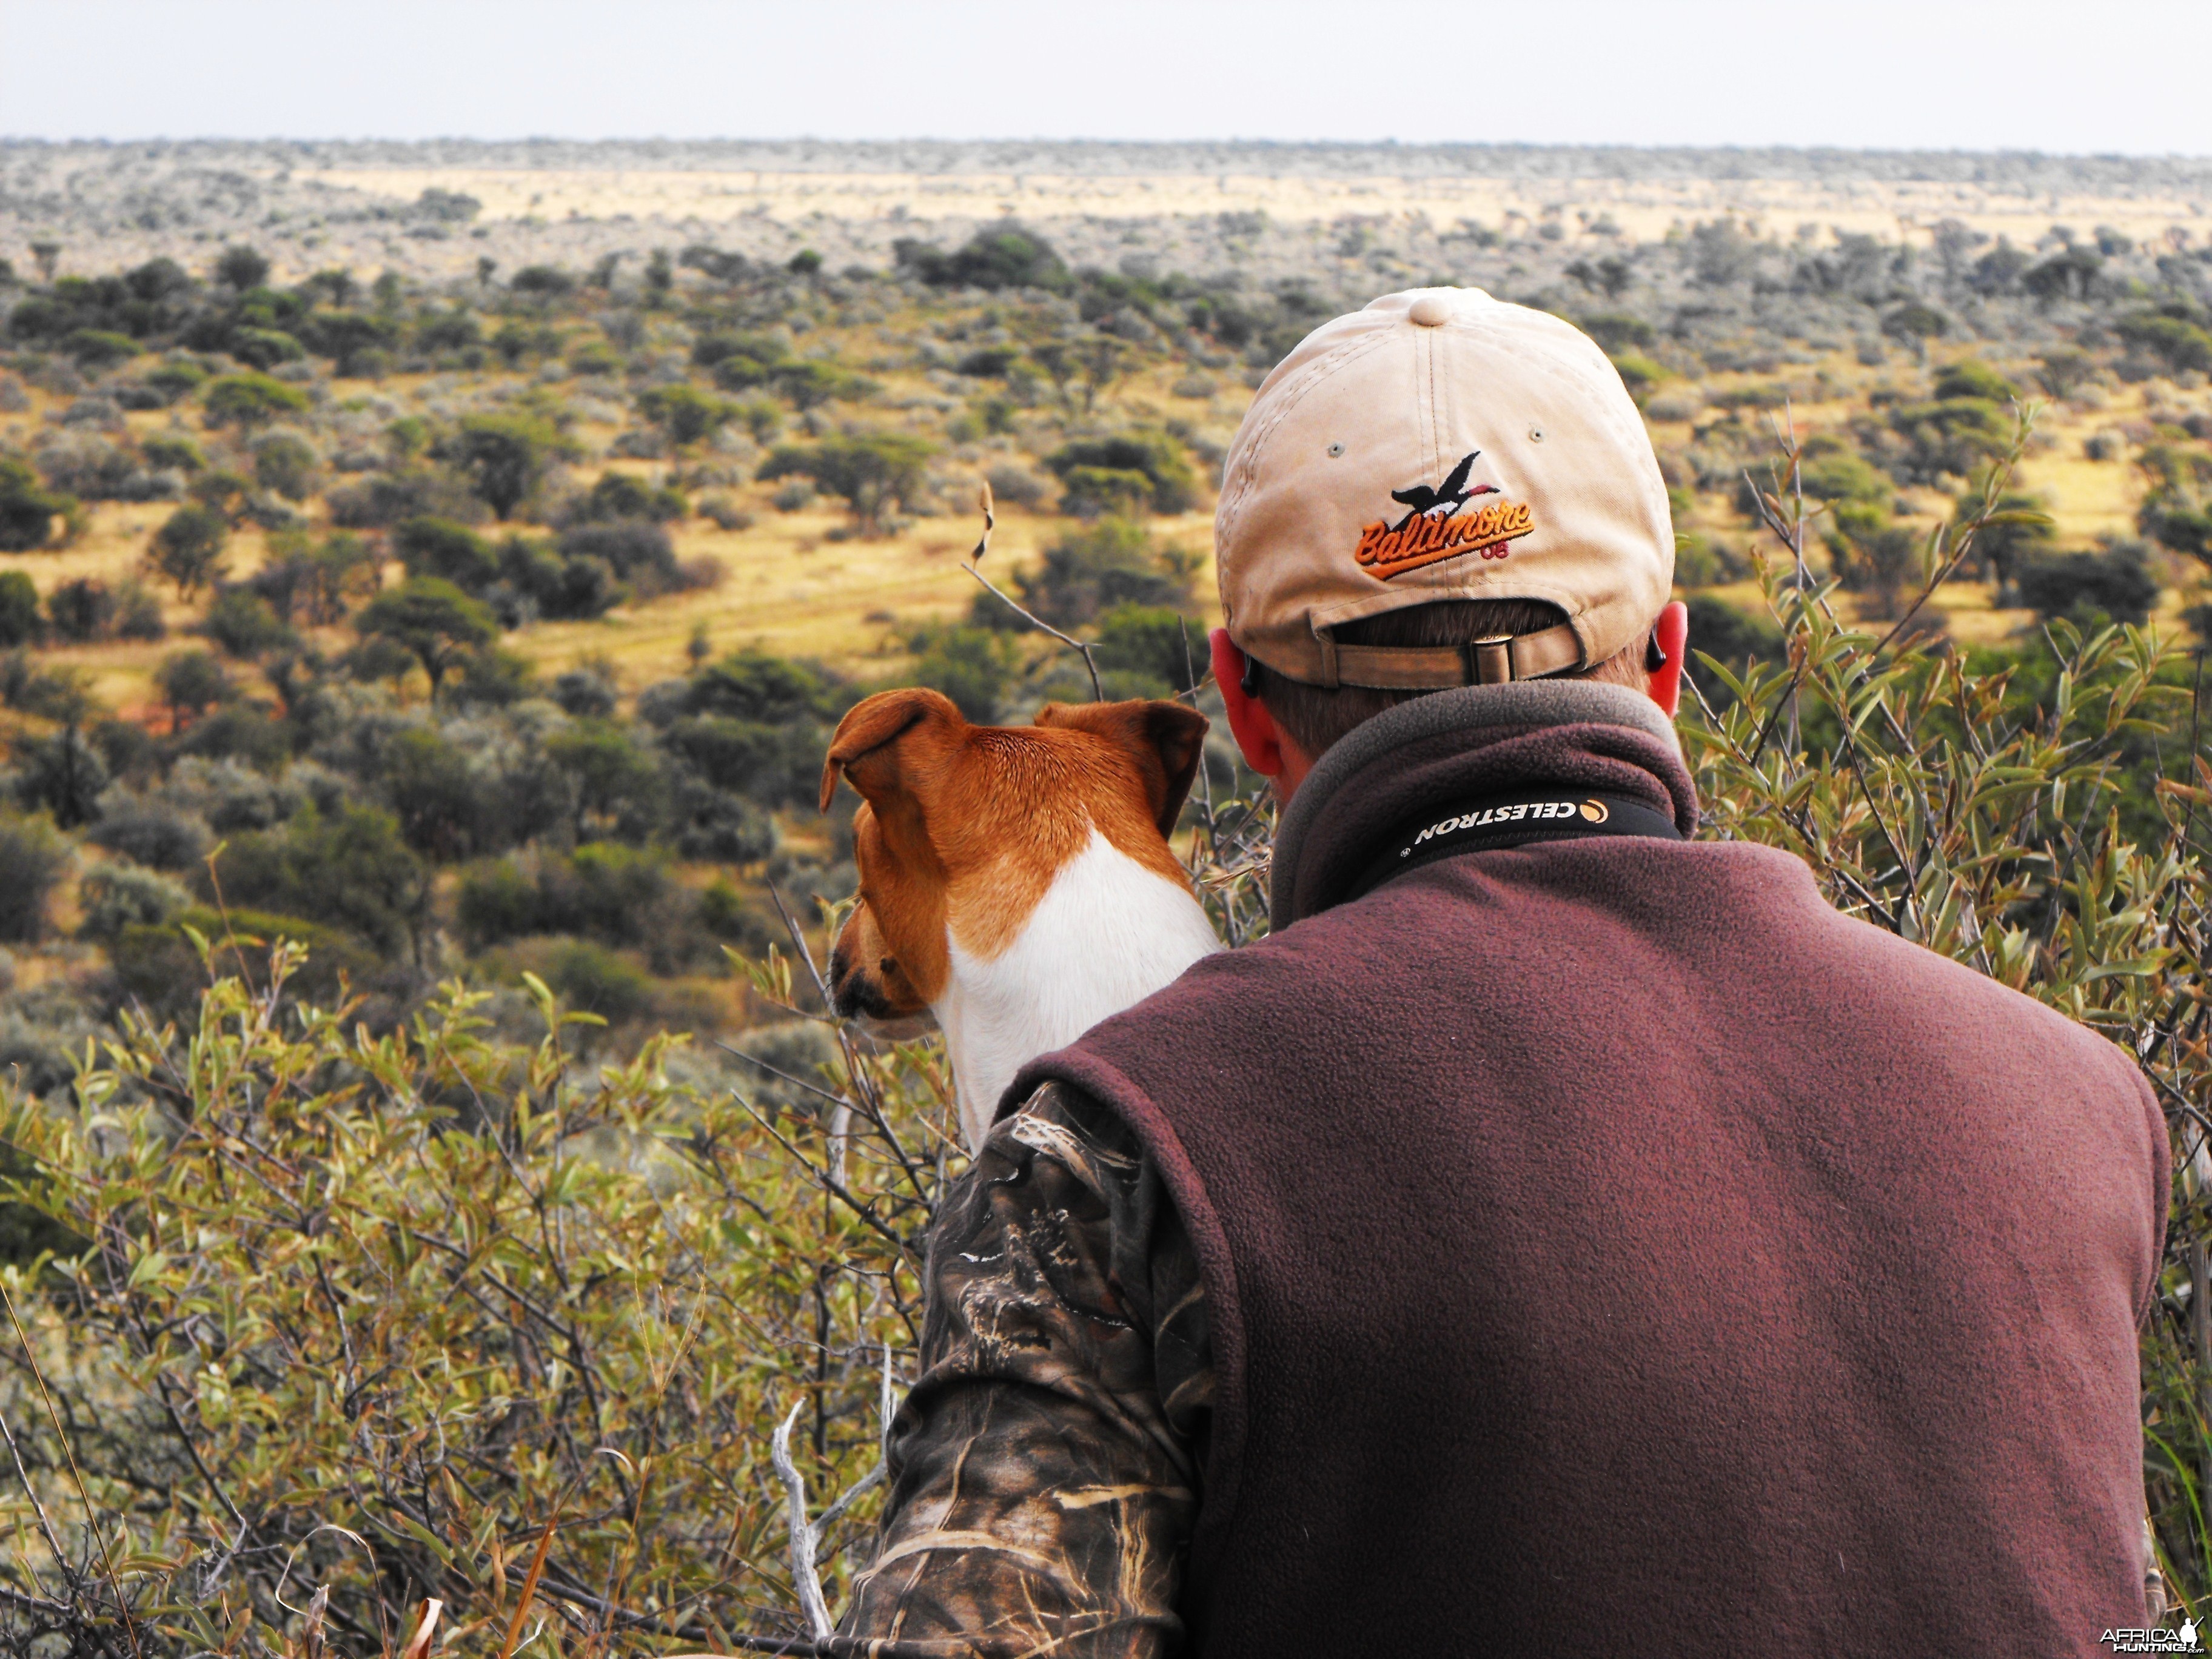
(434,1176)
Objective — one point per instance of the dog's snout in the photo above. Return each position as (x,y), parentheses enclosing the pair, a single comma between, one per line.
(844,983)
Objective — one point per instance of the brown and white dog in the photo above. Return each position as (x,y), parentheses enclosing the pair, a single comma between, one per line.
(1015,881)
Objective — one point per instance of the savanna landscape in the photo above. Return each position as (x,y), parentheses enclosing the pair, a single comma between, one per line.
(441,1203)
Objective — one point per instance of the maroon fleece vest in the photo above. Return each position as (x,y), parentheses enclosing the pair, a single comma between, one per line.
(1613,1249)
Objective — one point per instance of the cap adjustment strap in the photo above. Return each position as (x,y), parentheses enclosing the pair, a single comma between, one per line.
(1492,661)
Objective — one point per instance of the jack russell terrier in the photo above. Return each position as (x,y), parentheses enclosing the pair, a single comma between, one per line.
(1015,881)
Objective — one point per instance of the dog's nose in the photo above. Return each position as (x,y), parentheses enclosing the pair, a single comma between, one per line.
(844,991)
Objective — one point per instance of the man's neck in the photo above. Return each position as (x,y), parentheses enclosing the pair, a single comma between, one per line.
(1455,744)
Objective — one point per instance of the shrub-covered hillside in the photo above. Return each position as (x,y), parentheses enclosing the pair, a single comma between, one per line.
(494,625)
(484,632)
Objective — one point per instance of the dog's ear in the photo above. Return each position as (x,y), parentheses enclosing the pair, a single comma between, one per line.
(1165,740)
(870,743)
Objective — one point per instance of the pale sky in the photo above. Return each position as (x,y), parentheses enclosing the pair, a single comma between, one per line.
(2119,77)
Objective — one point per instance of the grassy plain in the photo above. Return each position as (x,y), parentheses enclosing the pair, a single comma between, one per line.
(790,589)
(1731,335)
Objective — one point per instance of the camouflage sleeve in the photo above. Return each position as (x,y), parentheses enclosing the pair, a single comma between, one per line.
(1044,1471)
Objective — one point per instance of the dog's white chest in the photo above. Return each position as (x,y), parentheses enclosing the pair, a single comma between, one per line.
(1107,934)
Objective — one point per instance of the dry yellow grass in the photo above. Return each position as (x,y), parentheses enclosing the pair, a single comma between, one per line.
(1642,209)
(789,591)
(111,551)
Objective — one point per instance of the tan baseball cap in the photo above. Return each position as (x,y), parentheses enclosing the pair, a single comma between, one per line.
(1441,445)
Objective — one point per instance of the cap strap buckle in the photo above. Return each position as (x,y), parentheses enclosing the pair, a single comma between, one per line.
(1495,659)
(1489,661)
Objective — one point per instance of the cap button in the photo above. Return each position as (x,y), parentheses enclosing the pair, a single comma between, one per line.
(1430,310)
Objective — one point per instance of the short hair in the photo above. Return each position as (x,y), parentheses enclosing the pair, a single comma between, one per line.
(1316,717)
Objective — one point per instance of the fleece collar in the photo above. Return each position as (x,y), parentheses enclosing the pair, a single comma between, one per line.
(1433,750)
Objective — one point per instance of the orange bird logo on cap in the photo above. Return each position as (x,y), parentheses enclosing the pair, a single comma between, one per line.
(1435,528)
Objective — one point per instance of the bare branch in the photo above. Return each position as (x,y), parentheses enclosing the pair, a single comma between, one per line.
(804,1578)
(975,558)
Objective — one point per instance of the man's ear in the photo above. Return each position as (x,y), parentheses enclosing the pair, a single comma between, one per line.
(1252,726)
(1165,739)
(1670,644)
(869,745)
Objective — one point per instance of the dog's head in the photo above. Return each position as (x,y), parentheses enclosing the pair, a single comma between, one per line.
(961,828)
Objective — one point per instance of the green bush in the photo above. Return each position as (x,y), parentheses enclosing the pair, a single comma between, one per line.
(172,451)
(287,463)
(971,665)
(116,897)
(19,622)
(1834,471)
(497,902)
(188,548)
(2117,586)
(685,413)
(618,896)
(350,869)
(36,859)
(241,622)
(1159,650)
(1952,436)
(612,778)
(177,378)
(548,1264)
(873,471)
(1617,331)
(1970,377)
(739,360)
(192,682)
(31,515)
(1640,375)
(595,980)
(60,774)
(632,551)
(812,383)
(494,678)
(265,348)
(151,833)
(384,499)
(618,495)
(543,282)
(447,808)
(241,268)
(251,400)
(1170,484)
(1004,255)
(1091,572)
(98,348)
(138,612)
(452,552)
(159,967)
(506,456)
(2181,343)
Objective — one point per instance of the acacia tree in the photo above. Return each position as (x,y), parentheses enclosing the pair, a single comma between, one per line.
(685,413)
(187,548)
(871,472)
(505,456)
(432,618)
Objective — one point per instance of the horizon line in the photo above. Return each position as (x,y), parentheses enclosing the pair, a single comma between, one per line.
(1646,147)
